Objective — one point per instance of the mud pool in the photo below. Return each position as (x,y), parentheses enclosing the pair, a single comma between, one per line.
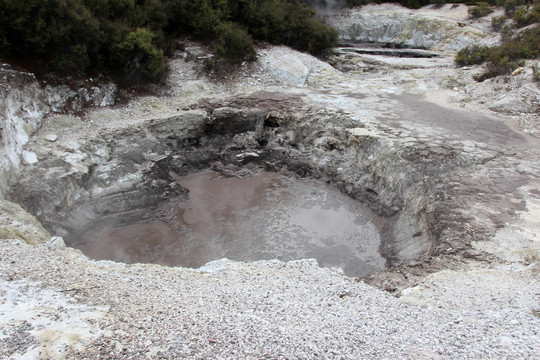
(262,217)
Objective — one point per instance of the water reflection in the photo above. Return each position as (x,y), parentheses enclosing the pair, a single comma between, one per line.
(262,217)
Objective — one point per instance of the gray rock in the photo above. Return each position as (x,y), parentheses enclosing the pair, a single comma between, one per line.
(62,98)
(56,243)
(397,26)
(59,96)
(104,95)
(289,70)
(510,104)
(51,137)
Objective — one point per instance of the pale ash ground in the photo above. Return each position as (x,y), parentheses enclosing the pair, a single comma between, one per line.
(54,303)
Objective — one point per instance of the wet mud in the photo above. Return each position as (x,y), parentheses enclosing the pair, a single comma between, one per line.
(261,217)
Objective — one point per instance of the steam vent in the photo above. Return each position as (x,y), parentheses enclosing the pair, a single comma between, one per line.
(268,181)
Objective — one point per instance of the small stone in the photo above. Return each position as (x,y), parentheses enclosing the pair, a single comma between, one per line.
(51,137)
(56,243)
(247,155)
(518,71)
(29,157)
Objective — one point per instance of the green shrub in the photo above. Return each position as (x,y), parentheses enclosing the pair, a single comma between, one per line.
(233,43)
(288,22)
(71,36)
(472,55)
(497,23)
(143,60)
(352,3)
(519,16)
(482,9)
(411,4)
(73,60)
(438,3)
(310,35)
(503,59)
(501,66)
(510,6)
(524,16)
(285,22)
(506,33)
(127,36)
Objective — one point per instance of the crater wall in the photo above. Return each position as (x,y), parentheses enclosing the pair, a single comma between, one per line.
(129,175)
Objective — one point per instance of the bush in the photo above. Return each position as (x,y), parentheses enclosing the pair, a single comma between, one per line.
(233,43)
(472,55)
(510,6)
(75,36)
(503,59)
(127,36)
(482,9)
(142,60)
(73,60)
(438,3)
(501,66)
(497,23)
(315,37)
(536,73)
(506,33)
(524,16)
(285,22)
(519,16)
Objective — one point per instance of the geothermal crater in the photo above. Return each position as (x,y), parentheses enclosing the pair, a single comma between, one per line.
(360,168)
(236,182)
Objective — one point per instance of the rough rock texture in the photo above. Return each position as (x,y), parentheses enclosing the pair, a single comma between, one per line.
(24,103)
(290,70)
(131,171)
(16,223)
(447,28)
(63,98)
(22,107)
(517,95)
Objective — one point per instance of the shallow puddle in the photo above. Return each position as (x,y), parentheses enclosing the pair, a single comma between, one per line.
(266,216)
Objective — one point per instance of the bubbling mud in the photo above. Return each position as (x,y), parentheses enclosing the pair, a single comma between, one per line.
(261,217)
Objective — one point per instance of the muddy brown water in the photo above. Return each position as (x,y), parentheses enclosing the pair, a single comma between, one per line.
(262,217)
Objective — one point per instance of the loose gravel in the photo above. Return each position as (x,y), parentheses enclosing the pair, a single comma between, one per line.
(229,310)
